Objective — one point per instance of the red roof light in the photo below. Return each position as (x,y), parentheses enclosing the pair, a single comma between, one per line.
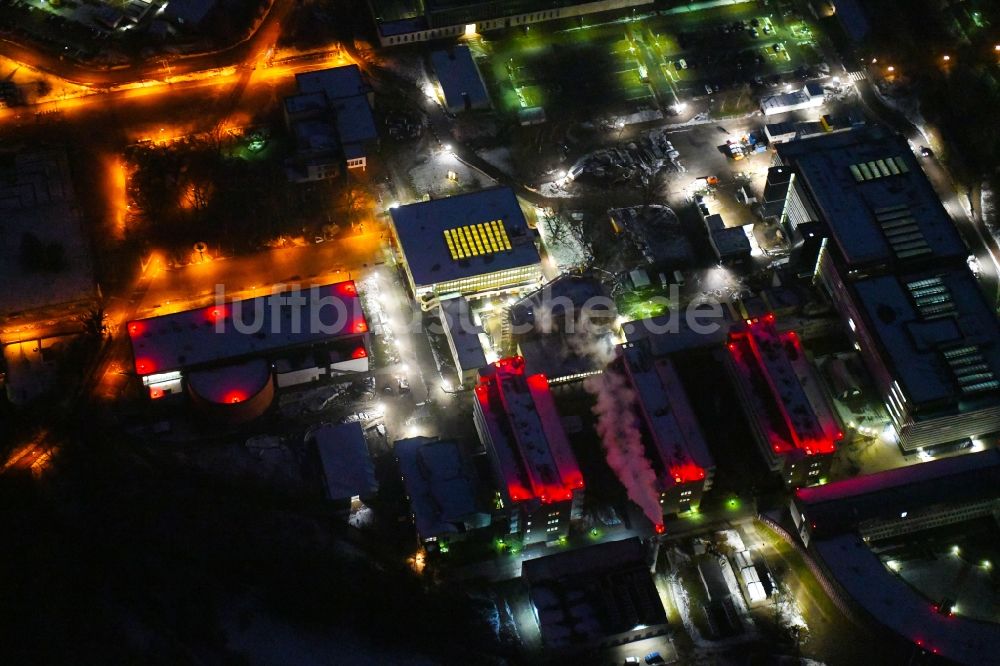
(348,289)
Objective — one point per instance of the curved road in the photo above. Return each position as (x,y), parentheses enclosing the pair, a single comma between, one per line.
(263,37)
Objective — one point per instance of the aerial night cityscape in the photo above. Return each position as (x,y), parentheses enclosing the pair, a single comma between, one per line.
(503,332)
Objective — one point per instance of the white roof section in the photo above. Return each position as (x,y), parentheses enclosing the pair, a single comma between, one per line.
(463,334)
(37,198)
(440,484)
(246,328)
(348,470)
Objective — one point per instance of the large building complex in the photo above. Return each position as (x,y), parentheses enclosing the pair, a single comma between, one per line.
(408,21)
(470,244)
(331,122)
(846,524)
(444,493)
(672,439)
(894,265)
(794,425)
(225,356)
(595,597)
(539,480)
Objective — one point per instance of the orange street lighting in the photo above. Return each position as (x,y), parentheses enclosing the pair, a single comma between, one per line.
(946,58)
(890,69)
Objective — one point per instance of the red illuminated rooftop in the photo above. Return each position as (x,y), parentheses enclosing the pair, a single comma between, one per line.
(246,328)
(780,378)
(528,439)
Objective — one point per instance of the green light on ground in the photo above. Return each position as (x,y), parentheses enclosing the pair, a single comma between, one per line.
(443,547)
(822,480)
(733,503)
(595,533)
(563,540)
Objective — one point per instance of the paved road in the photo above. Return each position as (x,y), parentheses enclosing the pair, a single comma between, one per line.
(263,37)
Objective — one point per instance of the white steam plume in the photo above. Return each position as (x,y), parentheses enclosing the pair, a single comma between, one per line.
(615,410)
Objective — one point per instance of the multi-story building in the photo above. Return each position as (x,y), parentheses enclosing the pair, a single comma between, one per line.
(225,356)
(444,493)
(672,439)
(466,338)
(893,263)
(540,484)
(331,121)
(600,597)
(471,244)
(408,21)
(795,427)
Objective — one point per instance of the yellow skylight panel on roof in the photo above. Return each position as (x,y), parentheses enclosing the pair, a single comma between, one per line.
(475,240)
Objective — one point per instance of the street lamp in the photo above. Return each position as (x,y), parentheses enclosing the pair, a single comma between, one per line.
(946,57)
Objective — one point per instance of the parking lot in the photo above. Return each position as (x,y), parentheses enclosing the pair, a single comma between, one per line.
(655,60)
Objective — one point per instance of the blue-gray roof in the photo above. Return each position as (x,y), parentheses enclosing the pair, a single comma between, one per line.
(460,78)
(346,93)
(440,484)
(922,319)
(893,216)
(420,231)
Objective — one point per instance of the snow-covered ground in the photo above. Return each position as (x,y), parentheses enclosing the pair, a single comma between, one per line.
(432,177)
(499,158)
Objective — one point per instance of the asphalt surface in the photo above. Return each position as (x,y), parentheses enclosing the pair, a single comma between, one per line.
(263,37)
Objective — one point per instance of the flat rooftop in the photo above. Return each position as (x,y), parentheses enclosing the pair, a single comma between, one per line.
(440,484)
(460,78)
(938,335)
(843,504)
(346,93)
(672,333)
(335,82)
(456,317)
(587,594)
(529,441)
(348,470)
(678,443)
(873,196)
(245,328)
(889,600)
(471,221)
(37,200)
(777,373)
